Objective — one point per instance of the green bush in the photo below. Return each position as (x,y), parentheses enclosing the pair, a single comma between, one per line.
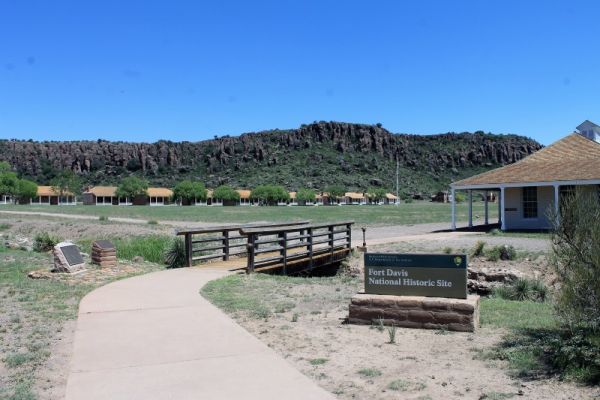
(44,242)
(131,187)
(226,193)
(501,253)
(576,259)
(175,256)
(523,289)
(190,191)
(270,194)
(459,197)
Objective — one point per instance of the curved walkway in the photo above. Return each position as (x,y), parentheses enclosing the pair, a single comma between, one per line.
(155,337)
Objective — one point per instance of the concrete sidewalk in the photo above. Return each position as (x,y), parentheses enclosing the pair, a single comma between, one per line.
(155,337)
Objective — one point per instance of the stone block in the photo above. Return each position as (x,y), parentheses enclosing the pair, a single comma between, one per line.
(416,312)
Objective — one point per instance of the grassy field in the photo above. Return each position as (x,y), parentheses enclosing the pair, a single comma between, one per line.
(405,214)
(32,315)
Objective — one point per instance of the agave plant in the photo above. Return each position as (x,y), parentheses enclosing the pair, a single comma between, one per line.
(175,254)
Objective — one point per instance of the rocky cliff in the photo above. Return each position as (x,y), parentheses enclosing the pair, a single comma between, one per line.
(315,155)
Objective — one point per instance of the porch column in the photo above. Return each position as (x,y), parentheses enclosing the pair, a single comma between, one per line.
(502,216)
(557,202)
(470,208)
(487,212)
(453,226)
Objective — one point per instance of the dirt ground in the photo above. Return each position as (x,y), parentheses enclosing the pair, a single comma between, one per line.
(358,362)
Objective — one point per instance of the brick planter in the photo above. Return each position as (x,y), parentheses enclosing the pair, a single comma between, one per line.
(416,312)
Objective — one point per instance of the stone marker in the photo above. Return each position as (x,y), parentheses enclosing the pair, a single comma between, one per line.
(67,258)
(104,253)
(427,291)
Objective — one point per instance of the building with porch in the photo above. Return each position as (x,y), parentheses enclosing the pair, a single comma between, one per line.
(6,199)
(530,190)
(47,196)
(159,196)
(104,196)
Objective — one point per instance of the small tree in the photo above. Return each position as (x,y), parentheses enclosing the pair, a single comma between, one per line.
(226,193)
(376,194)
(190,191)
(131,187)
(27,189)
(9,183)
(336,191)
(576,258)
(305,195)
(67,182)
(270,194)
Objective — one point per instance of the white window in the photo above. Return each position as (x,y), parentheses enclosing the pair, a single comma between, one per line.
(530,202)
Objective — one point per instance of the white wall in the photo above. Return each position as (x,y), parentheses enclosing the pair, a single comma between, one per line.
(513,209)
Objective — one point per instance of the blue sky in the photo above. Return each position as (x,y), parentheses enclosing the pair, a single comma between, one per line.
(178,70)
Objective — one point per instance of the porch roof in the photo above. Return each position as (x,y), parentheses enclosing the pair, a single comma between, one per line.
(159,192)
(572,158)
(48,191)
(102,191)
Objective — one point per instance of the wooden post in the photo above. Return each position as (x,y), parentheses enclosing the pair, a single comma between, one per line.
(349,235)
(309,247)
(250,249)
(226,245)
(283,251)
(188,249)
(331,241)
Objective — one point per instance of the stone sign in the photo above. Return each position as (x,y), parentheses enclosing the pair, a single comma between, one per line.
(432,275)
(67,258)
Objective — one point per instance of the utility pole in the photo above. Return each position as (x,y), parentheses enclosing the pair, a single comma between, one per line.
(397,182)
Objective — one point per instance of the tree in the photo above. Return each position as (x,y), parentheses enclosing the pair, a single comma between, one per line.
(131,187)
(9,183)
(4,166)
(67,182)
(190,191)
(336,191)
(376,194)
(305,195)
(27,189)
(270,194)
(226,193)
(576,259)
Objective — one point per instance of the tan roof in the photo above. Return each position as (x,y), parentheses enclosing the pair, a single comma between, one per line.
(209,194)
(390,196)
(160,192)
(244,194)
(573,157)
(354,195)
(47,191)
(103,191)
(292,195)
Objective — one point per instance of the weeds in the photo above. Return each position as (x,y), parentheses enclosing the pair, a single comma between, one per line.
(44,242)
(153,222)
(318,361)
(369,372)
(448,250)
(478,249)
(391,330)
(103,218)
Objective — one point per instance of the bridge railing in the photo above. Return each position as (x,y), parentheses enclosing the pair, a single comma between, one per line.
(279,247)
(221,241)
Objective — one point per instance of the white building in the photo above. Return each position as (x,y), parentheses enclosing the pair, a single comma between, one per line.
(530,189)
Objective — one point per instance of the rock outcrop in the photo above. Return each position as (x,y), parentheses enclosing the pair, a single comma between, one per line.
(318,154)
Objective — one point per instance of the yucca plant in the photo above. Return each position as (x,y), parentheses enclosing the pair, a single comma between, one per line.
(175,254)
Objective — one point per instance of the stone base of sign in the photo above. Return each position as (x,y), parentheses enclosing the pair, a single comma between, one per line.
(416,312)
(361,249)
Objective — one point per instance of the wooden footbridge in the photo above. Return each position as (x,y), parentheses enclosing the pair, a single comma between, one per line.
(285,248)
